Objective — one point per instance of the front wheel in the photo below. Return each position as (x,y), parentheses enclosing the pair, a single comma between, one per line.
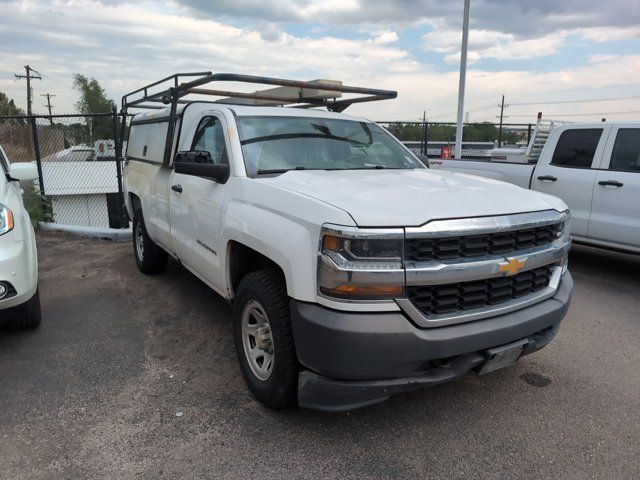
(150,258)
(28,315)
(263,339)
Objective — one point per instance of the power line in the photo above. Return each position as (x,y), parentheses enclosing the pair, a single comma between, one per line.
(524,94)
(575,89)
(51,77)
(586,100)
(10,86)
(583,114)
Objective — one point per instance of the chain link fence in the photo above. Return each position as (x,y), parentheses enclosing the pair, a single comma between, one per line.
(437,139)
(79,166)
(79,159)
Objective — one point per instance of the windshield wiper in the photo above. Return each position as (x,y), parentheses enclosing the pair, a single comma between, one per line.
(289,136)
(323,129)
(374,167)
(279,170)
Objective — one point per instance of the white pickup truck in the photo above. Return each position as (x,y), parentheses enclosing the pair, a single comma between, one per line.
(354,271)
(594,168)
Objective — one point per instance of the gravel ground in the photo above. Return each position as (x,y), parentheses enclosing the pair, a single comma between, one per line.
(132,376)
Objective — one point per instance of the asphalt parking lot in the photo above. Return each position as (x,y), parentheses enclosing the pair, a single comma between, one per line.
(132,376)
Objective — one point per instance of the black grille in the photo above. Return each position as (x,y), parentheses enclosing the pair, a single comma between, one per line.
(454,297)
(444,248)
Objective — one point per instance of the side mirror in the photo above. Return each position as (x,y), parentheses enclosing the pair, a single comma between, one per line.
(23,171)
(200,164)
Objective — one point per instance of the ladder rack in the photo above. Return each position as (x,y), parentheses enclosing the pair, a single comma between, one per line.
(172,90)
(539,138)
(316,93)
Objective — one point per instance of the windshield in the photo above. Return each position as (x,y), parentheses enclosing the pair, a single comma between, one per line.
(279,144)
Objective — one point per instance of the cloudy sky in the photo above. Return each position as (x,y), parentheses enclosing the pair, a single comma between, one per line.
(544,55)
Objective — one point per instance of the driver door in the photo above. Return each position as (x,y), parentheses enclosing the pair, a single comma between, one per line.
(196,205)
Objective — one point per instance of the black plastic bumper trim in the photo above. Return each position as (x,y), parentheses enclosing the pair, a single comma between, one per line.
(354,359)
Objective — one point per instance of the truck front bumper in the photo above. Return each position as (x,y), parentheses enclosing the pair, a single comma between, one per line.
(357,359)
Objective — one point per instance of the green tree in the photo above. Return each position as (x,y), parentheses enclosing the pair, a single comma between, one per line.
(442,133)
(93,99)
(405,132)
(480,132)
(8,106)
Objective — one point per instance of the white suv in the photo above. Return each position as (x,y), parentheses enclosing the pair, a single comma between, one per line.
(19,299)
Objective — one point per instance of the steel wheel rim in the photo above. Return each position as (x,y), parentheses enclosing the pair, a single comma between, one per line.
(139,242)
(257,340)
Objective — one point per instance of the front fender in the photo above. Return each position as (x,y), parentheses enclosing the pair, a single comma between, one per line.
(285,238)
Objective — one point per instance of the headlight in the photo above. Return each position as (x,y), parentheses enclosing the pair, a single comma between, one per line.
(361,264)
(564,234)
(6,220)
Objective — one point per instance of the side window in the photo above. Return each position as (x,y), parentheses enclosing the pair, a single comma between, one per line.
(576,148)
(210,137)
(626,151)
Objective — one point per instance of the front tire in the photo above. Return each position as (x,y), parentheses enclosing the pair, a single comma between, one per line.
(150,258)
(27,316)
(264,340)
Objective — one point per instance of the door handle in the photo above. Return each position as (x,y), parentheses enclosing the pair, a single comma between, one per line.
(610,183)
(549,178)
(176,188)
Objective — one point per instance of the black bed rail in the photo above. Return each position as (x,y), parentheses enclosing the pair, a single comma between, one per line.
(171,90)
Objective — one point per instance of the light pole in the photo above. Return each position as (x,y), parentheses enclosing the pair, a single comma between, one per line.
(463,74)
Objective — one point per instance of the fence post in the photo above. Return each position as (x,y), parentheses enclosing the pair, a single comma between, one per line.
(36,151)
(118,152)
(529,134)
(425,138)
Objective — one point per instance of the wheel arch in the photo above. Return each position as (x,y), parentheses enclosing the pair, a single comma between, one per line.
(242,260)
(134,203)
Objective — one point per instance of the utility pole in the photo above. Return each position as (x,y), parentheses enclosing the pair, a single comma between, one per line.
(31,73)
(502,117)
(49,96)
(463,76)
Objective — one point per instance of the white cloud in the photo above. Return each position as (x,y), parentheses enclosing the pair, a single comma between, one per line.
(491,44)
(127,45)
(607,34)
(437,93)
(386,38)
(522,18)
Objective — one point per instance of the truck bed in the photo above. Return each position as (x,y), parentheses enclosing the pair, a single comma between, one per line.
(516,173)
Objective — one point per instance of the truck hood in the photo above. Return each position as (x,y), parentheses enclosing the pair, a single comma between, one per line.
(377,198)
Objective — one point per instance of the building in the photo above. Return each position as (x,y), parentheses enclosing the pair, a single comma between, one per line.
(82,184)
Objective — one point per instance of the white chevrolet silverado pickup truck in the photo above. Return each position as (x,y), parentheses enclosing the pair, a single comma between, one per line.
(594,168)
(354,271)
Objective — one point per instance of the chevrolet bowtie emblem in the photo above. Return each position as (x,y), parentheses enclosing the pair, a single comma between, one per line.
(512,266)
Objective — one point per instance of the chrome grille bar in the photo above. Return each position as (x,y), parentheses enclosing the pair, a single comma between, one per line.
(439,273)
